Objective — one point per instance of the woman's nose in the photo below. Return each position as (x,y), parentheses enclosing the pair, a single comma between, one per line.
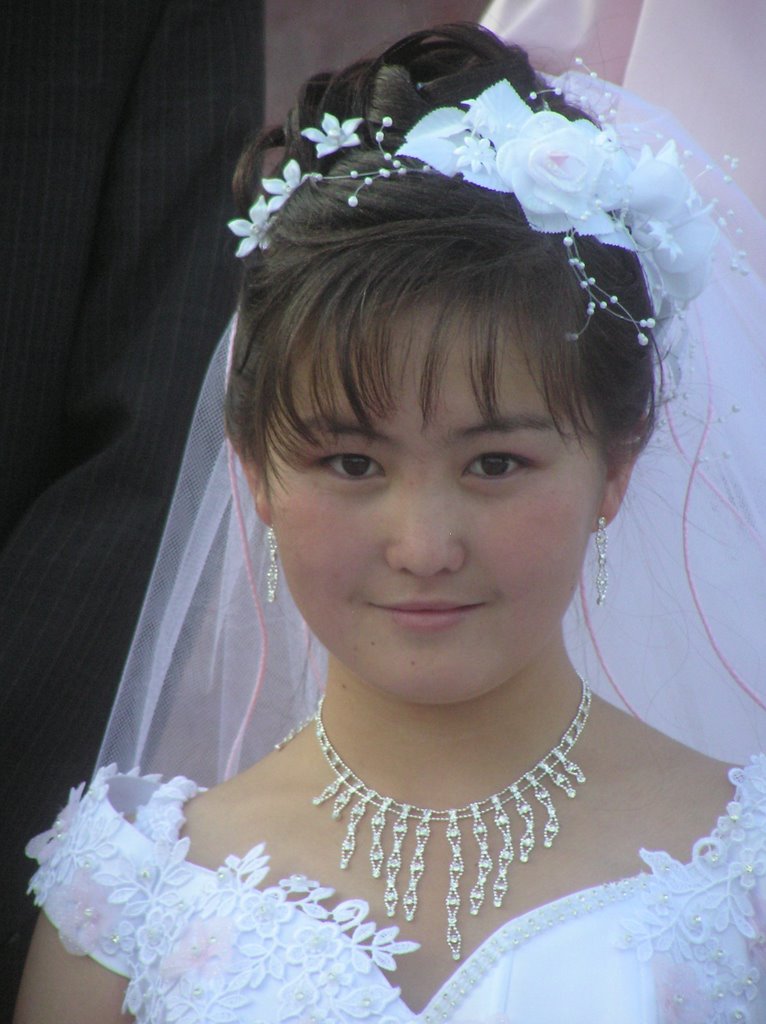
(425,537)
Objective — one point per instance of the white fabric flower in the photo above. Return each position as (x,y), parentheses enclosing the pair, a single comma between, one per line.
(333,135)
(499,112)
(566,174)
(569,177)
(253,231)
(575,178)
(671,227)
(476,154)
(282,188)
(658,187)
(436,138)
(559,170)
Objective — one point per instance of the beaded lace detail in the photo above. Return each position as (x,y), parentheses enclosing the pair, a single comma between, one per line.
(198,945)
(702,925)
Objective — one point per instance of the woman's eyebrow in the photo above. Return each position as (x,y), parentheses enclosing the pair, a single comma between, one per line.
(337,427)
(345,428)
(506,425)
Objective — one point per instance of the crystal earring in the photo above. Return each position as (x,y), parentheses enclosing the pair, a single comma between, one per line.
(602,575)
(272,573)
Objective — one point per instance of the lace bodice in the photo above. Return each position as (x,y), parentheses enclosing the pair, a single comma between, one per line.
(680,944)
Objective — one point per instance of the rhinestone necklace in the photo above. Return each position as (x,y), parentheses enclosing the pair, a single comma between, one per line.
(393,817)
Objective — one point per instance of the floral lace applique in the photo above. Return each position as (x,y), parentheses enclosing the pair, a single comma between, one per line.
(237,939)
(703,924)
(44,846)
(78,841)
(161,818)
(204,946)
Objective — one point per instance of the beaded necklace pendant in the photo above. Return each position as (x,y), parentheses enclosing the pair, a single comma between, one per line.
(391,821)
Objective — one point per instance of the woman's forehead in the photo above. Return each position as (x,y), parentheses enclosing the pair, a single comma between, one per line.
(406,341)
(420,383)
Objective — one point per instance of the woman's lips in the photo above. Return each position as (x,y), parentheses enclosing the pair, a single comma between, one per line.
(428,616)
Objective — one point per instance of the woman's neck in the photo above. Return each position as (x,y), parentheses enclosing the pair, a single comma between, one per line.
(447,755)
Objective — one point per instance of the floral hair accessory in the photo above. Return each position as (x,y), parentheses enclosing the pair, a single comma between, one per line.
(253,231)
(334,135)
(574,178)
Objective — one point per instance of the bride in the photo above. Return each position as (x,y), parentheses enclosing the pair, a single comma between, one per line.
(462,367)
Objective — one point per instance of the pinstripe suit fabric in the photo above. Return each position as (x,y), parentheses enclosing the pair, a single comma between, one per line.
(121,120)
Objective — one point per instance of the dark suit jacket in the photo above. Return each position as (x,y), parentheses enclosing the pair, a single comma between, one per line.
(121,123)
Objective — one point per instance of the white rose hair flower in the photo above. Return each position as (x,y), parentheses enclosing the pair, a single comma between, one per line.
(575,178)
(570,177)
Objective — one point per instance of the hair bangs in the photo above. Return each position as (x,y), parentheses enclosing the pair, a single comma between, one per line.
(349,349)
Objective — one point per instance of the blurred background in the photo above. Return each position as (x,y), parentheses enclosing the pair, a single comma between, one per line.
(305,36)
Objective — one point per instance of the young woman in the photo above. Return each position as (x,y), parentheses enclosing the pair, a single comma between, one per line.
(455,338)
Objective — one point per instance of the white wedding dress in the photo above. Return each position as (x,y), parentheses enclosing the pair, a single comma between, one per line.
(678,944)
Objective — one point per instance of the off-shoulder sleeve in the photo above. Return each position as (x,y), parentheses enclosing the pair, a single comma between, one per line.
(97,862)
(701,926)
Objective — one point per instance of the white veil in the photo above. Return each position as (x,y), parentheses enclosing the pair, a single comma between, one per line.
(207,643)
(216,676)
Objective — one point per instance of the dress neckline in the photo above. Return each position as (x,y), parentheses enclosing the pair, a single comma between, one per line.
(515,932)
(508,935)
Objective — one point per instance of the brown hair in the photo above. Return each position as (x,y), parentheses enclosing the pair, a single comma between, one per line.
(335,278)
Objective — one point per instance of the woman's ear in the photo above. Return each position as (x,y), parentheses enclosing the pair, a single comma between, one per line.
(256,482)
(615,485)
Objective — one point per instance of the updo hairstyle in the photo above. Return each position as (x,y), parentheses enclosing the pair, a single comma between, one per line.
(338,284)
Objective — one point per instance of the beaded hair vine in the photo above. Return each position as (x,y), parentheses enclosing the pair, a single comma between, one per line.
(573,178)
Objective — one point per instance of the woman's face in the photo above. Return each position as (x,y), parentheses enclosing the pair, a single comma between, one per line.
(435,560)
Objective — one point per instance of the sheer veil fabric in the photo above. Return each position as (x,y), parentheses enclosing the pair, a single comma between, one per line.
(216,676)
(208,647)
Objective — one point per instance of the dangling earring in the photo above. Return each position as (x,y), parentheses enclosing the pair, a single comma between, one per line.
(602,575)
(272,573)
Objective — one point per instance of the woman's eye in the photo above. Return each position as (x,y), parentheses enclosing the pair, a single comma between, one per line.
(353,465)
(493,465)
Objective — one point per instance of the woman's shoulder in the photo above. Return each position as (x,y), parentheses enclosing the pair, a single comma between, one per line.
(153,808)
(111,833)
(739,821)
(270,803)
(708,911)
(119,883)
(732,850)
